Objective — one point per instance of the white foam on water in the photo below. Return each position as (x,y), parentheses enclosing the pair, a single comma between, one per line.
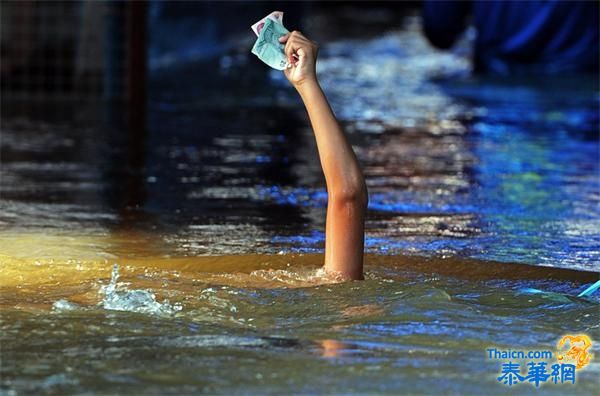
(212,341)
(64,305)
(297,277)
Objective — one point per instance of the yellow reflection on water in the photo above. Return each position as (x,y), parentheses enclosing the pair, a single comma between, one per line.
(37,269)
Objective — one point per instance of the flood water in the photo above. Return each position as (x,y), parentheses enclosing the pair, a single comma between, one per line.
(480,189)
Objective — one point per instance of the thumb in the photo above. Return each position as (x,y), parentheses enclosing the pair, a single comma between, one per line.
(284,38)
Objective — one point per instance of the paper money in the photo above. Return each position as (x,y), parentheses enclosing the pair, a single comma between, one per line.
(276,16)
(267,46)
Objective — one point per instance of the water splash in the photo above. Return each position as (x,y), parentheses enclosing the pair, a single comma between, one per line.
(142,301)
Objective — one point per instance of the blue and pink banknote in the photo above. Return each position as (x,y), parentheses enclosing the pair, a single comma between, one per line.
(267,46)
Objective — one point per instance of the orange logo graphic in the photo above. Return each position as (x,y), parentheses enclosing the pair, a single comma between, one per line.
(578,353)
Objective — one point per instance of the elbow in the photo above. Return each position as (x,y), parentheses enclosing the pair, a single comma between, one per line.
(354,194)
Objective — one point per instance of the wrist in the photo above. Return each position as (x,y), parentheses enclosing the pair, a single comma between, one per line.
(307,84)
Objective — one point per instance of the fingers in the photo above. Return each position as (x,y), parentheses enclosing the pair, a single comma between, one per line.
(284,38)
(296,46)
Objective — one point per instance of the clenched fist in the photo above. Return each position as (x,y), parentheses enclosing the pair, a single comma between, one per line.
(302,56)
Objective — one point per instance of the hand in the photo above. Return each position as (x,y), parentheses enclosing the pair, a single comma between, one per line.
(302,55)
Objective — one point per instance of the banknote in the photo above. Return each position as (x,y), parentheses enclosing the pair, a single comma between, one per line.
(276,16)
(267,46)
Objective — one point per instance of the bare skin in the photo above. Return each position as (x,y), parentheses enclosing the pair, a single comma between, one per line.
(346,188)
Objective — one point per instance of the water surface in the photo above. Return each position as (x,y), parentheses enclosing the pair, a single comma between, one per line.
(479,189)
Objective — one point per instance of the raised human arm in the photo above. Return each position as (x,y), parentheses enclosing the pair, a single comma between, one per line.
(346,188)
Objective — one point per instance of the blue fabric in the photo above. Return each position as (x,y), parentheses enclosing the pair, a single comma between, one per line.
(520,36)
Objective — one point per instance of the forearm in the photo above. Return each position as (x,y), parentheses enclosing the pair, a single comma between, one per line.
(346,188)
(340,167)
